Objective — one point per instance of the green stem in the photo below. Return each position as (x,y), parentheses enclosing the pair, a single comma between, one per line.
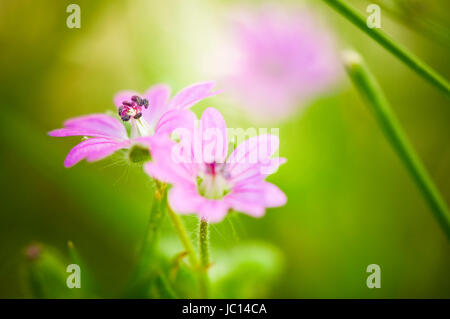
(163,284)
(430,28)
(156,216)
(187,244)
(151,232)
(389,44)
(184,238)
(203,238)
(204,244)
(370,90)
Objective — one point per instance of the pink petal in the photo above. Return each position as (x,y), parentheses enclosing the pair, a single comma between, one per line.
(93,149)
(284,58)
(184,199)
(157,96)
(174,174)
(213,211)
(123,96)
(63,132)
(256,172)
(249,208)
(214,136)
(252,198)
(96,125)
(248,198)
(273,196)
(145,141)
(252,154)
(255,149)
(271,165)
(191,95)
(175,119)
(166,166)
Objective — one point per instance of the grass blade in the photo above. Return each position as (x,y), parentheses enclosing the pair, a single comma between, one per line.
(367,85)
(389,44)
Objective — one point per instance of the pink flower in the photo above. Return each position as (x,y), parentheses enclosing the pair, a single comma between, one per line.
(283,58)
(149,114)
(207,181)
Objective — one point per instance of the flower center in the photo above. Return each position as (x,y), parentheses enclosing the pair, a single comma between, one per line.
(212,182)
(133,108)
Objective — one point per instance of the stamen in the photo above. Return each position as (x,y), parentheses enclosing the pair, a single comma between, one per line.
(132,109)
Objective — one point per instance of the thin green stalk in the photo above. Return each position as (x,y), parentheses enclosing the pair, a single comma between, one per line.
(389,44)
(156,217)
(370,90)
(203,238)
(426,26)
(233,229)
(164,287)
(187,244)
(151,232)
(184,238)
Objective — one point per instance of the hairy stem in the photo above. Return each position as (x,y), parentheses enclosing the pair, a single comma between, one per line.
(187,244)
(389,44)
(203,238)
(367,85)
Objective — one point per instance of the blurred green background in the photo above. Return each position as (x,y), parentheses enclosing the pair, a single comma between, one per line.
(350,201)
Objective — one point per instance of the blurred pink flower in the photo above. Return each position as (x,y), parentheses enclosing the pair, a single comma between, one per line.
(208,182)
(149,114)
(283,58)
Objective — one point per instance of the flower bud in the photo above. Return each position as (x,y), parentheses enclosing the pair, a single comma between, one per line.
(139,154)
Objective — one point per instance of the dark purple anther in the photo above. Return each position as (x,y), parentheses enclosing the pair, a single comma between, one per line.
(136,99)
(137,116)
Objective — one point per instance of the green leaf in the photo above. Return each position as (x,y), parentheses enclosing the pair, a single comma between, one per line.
(46,274)
(249,270)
